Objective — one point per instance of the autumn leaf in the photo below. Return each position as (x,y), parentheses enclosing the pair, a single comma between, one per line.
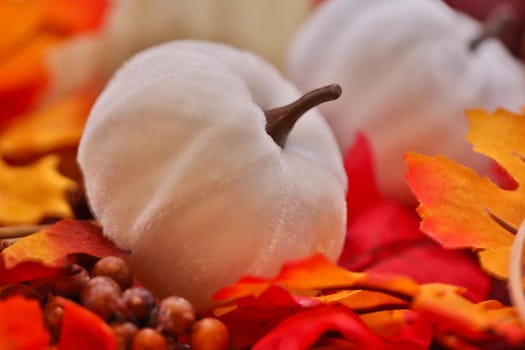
(32,192)
(363,301)
(303,330)
(22,325)
(362,190)
(474,323)
(81,329)
(398,326)
(251,317)
(440,265)
(77,16)
(47,129)
(18,21)
(27,271)
(459,208)
(396,309)
(384,236)
(29,30)
(318,273)
(24,77)
(53,245)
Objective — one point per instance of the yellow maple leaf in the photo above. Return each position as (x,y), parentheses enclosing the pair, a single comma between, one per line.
(459,208)
(30,193)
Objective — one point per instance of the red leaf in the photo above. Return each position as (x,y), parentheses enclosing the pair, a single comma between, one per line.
(381,230)
(428,263)
(362,189)
(22,325)
(305,329)
(254,316)
(25,272)
(53,245)
(384,236)
(83,330)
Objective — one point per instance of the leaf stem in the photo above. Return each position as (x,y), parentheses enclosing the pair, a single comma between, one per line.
(18,231)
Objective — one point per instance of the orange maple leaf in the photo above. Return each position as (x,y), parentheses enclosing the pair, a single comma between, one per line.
(395,308)
(32,192)
(459,208)
(318,273)
(48,129)
(451,313)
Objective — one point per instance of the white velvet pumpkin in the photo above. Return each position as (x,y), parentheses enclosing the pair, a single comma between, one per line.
(408,76)
(179,169)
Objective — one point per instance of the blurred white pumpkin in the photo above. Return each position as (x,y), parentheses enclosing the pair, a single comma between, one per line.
(407,75)
(262,26)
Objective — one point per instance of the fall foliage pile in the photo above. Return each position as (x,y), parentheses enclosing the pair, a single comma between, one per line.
(394,287)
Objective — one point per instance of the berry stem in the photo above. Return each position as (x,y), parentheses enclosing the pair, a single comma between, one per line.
(280,120)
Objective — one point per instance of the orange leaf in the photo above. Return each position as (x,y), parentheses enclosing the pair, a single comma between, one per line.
(48,129)
(24,76)
(382,302)
(363,301)
(22,325)
(318,273)
(28,31)
(52,246)
(75,16)
(19,20)
(400,325)
(461,209)
(451,313)
(83,330)
(32,192)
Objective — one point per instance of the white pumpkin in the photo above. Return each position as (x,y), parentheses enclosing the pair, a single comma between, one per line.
(179,169)
(408,76)
(133,25)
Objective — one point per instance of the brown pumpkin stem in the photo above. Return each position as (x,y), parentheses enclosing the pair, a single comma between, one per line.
(494,26)
(280,120)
